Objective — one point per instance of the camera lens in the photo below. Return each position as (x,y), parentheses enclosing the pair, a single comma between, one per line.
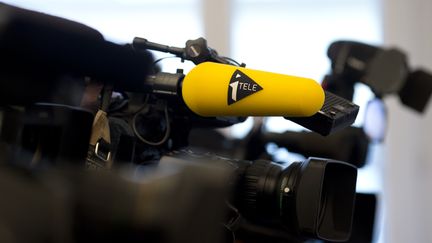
(314,198)
(310,199)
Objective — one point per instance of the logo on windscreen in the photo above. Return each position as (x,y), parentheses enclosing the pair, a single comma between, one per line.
(240,87)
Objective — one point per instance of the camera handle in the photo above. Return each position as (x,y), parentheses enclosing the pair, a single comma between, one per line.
(196,51)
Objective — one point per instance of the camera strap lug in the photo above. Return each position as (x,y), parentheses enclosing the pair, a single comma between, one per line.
(100,152)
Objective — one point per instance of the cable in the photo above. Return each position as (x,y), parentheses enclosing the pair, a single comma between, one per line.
(232,61)
(163,58)
(167,131)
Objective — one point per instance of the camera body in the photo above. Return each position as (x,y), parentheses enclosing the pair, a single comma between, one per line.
(142,122)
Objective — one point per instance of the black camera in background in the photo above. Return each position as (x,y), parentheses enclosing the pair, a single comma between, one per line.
(350,144)
(385,71)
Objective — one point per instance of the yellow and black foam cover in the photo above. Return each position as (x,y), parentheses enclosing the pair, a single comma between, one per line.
(213,89)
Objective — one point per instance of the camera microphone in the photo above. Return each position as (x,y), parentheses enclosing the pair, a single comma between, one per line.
(213,89)
(221,90)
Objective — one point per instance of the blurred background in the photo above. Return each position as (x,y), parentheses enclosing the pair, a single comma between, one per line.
(292,37)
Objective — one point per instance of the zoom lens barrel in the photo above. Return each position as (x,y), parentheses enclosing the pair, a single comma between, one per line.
(310,199)
(314,198)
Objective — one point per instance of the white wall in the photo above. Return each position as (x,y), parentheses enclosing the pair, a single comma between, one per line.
(408,164)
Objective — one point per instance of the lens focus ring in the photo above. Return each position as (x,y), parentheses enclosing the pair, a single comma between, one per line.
(259,188)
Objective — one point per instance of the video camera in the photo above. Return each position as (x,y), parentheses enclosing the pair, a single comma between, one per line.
(384,70)
(142,121)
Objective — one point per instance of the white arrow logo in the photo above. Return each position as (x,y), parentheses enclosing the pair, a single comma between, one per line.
(234,89)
